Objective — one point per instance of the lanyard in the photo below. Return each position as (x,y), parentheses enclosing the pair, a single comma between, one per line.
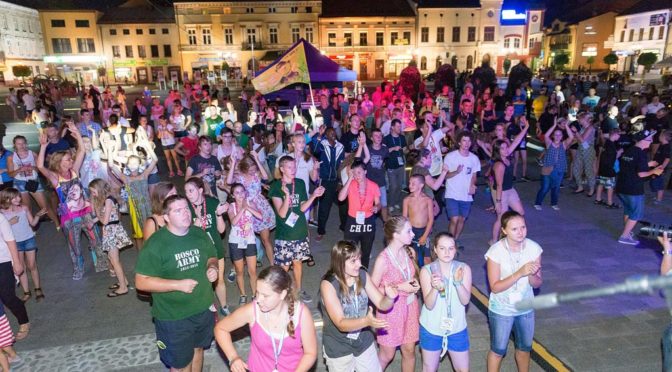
(355,299)
(277,349)
(450,290)
(202,217)
(405,272)
(362,200)
(514,264)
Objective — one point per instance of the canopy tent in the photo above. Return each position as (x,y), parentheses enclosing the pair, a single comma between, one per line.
(302,63)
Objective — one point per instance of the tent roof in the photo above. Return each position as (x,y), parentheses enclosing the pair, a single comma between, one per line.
(320,67)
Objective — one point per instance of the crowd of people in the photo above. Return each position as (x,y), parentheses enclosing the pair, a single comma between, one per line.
(258,181)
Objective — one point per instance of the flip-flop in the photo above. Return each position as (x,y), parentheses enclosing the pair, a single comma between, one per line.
(114,294)
(310,262)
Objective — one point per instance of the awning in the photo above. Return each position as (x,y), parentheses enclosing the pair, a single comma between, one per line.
(666,62)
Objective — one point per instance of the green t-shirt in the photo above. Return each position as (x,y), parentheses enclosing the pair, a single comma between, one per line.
(168,256)
(211,205)
(242,140)
(282,230)
(212,125)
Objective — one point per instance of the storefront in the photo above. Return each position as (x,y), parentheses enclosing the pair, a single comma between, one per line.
(75,67)
(142,71)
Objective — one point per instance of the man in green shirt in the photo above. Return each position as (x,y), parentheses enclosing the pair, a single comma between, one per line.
(214,123)
(291,232)
(178,264)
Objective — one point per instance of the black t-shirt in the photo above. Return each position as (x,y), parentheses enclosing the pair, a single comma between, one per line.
(662,153)
(209,165)
(607,160)
(375,169)
(395,158)
(633,161)
(500,103)
(349,141)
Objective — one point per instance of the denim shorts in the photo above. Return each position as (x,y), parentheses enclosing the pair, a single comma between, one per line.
(456,342)
(177,339)
(27,245)
(238,254)
(153,179)
(500,331)
(21,185)
(633,206)
(458,208)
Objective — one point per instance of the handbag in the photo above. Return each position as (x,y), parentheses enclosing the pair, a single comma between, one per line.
(32,185)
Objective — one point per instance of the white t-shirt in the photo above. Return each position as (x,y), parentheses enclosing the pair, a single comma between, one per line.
(434,146)
(6,236)
(652,108)
(385,127)
(510,262)
(28,101)
(457,187)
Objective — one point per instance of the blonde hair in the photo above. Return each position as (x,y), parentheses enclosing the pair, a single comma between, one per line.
(103,190)
(6,197)
(56,159)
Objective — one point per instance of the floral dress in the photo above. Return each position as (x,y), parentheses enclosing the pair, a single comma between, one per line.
(114,234)
(406,315)
(138,204)
(258,201)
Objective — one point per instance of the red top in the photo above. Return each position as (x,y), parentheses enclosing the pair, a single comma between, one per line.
(191,145)
(363,203)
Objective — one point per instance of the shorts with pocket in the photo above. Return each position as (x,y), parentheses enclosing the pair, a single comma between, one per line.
(177,339)
(606,182)
(287,251)
(27,245)
(236,253)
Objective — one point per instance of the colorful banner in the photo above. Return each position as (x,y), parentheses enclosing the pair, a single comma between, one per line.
(291,68)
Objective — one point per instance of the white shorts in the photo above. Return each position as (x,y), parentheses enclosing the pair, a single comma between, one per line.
(366,362)
(509,197)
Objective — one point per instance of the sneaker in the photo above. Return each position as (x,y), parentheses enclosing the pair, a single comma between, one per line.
(312,223)
(555,207)
(224,311)
(305,297)
(242,300)
(629,240)
(537,207)
(232,276)
(77,275)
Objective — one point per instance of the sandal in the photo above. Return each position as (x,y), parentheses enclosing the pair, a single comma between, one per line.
(39,295)
(114,294)
(23,332)
(114,286)
(26,296)
(310,262)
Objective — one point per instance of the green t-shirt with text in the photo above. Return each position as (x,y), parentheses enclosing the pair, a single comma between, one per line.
(210,220)
(212,125)
(283,231)
(169,256)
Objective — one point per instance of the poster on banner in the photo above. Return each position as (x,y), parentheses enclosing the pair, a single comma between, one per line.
(658,19)
(291,68)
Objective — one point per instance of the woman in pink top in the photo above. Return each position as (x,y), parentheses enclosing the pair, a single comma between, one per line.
(282,332)
(396,265)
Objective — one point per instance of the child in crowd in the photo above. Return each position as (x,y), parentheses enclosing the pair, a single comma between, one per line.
(418,208)
(166,133)
(188,146)
(606,173)
(242,242)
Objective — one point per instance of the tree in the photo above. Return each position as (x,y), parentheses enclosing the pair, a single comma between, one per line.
(560,60)
(102,73)
(506,65)
(590,62)
(610,59)
(22,71)
(647,60)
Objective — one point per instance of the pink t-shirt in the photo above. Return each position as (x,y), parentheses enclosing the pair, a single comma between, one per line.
(355,204)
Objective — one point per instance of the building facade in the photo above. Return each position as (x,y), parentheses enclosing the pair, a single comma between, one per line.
(636,32)
(461,33)
(73,45)
(580,40)
(521,37)
(140,44)
(21,42)
(242,36)
(376,41)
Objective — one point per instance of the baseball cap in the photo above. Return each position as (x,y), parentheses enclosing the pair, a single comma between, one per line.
(643,134)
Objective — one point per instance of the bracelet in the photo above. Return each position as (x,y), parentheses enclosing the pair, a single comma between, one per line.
(667,252)
(213,267)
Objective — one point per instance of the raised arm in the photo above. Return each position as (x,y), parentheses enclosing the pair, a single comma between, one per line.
(520,136)
(40,160)
(223,329)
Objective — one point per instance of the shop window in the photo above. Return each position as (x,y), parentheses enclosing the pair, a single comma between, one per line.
(61,45)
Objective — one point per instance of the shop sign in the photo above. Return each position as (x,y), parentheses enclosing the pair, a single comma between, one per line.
(157,62)
(126,63)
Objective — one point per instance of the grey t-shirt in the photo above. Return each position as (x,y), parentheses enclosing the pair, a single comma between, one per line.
(375,169)
(339,344)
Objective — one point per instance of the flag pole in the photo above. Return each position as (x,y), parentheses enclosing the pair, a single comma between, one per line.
(310,88)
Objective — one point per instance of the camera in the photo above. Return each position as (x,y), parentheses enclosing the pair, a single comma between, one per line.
(651,230)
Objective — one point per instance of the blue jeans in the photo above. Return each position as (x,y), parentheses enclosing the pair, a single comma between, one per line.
(550,183)
(500,331)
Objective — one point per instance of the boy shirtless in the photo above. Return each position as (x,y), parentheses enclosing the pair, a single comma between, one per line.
(418,208)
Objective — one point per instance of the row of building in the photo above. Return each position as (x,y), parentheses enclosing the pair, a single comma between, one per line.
(143,42)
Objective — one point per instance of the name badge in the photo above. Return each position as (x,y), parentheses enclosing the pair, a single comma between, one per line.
(447,324)
(400,160)
(242,245)
(410,299)
(360,218)
(291,220)
(353,335)
(515,297)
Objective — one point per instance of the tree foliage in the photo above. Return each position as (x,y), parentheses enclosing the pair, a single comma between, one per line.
(610,59)
(22,71)
(647,60)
